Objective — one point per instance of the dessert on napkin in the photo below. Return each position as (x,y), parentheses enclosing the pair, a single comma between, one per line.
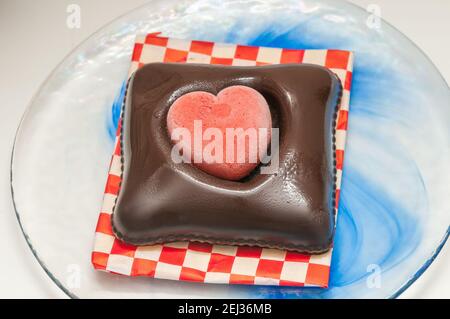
(227,164)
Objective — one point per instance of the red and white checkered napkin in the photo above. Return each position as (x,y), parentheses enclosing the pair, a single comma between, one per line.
(207,263)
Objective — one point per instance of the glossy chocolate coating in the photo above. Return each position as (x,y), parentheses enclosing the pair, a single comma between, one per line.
(161,201)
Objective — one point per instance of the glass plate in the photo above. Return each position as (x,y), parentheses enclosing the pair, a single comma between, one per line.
(393,215)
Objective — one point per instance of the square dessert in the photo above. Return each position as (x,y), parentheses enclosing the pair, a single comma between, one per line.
(161,200)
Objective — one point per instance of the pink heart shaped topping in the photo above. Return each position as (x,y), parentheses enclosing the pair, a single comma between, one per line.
(224,135)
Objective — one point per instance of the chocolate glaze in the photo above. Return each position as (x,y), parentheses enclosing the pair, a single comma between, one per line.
(160,201)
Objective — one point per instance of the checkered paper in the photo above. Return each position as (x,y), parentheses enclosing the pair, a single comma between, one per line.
(206,263)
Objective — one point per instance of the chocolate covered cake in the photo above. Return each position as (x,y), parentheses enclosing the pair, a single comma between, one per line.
(161,200)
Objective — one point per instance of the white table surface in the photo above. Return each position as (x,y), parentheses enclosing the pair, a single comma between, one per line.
(41,25)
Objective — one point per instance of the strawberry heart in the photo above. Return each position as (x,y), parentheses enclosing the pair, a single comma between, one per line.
(224,135)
